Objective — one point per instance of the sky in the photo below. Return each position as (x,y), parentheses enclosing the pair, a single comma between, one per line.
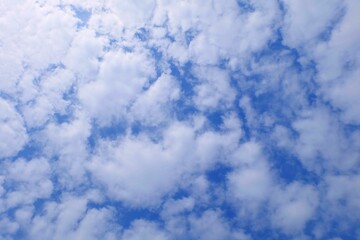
(179,119)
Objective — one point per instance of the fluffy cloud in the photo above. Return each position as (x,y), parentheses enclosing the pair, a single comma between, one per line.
(139,170)
(30,180)
(164,119)
(141,229)
(304,25)
(72,219)
(119,77)
(294,206)
(12,131)
(66,145)
(154,106)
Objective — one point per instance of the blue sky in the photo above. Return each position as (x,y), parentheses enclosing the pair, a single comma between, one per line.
(161,119)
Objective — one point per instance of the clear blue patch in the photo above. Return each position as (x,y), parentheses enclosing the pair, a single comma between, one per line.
(180,194)
(142,34)
(266,102)
(229,213)
(157,55)
(289,168)
(127,49)
(170,37)
(245,6)
(152,132)
(183,110)
(223,64)
(113,44)
(126,215)
(111,132)
(82,14)
(215,119)
(184,107)
(190,35)
(62,118)
(218,174)
(312,99)
(185,77)
(30,151)
(350,129)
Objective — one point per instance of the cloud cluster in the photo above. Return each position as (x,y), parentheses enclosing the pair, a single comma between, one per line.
(163,119)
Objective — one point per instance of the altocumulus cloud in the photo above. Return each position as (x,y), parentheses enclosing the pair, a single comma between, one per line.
(162,119)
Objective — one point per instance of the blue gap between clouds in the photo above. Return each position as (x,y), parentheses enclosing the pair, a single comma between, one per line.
(217,176)
(289,167)
(190,35)
(157,56)
(142,34)
(126,215)
(183,110)
(69,95)
(29,151)
(82,14)
(107,132)
(215,119)
(218,173)
(336,229)
(245,6)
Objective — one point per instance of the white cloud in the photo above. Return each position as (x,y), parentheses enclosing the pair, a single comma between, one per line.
(252,187)
(210,225)
(251,183)
(30,180)
(154,105)
(66,144)
(336,57)
(63,82)
(321,136)
(13,135)
(133,13)
(175,207)
(338,64)
(143,230)
(48,23)
(305,20)
(294,206)
(214,90)
(7,228)
(40,101)
(72,219)
(342,196)
(140,171)
(82,56)
(219,31)
(121,78)
(174,214)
